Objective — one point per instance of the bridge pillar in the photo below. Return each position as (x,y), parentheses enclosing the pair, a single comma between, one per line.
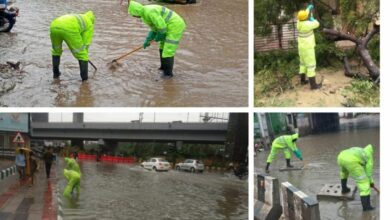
(110,145)
(78,142)
(179,145)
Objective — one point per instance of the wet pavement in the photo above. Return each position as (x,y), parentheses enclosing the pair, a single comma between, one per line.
(320,155)
(19,201)
(121,191)
(211,67)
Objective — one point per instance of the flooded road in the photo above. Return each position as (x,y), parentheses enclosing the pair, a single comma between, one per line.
(211,64)
(119,191)
(320,153)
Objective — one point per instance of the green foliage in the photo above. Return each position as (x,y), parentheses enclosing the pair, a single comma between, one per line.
(356,15)
(374,48)
(362,93)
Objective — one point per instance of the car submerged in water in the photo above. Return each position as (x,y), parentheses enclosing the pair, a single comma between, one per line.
(191,165)
(156,164)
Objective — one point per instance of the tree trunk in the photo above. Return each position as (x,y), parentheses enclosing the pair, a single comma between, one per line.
(361,44)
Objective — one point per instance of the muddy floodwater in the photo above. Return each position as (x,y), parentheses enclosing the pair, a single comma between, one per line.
(211,64)
(119,191)
(320,153)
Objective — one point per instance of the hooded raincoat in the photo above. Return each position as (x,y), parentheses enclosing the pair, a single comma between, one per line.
(285,143)
(306,47)
(163,20)
(73,179)
(358,162)
(77,32)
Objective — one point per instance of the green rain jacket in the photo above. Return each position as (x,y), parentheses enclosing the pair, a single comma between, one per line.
(362,156)
(157,17)
(286,141)
(81,23)
(71,164)
(306,37)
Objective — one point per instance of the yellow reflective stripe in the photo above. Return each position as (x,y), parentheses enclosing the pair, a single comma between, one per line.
(305,34)
(81,22)
(172,41)
(78,49)
(311,66)
(169,13)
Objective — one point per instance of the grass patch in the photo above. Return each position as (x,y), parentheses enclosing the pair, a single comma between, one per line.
(362,93)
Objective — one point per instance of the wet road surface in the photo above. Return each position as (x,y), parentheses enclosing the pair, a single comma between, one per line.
(320,153)
(119,191)
(211,67)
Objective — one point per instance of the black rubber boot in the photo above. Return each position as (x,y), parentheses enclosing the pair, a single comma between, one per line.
(288,163)
(267,168)
(167,67)
(83,70)
(313,84)
(56,66)
(366,203)
(344,188)
(161,62)
(304,81)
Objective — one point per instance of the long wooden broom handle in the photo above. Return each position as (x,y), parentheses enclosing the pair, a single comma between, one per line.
(127,54)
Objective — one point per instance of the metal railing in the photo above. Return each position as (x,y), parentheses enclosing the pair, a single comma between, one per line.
(283,37)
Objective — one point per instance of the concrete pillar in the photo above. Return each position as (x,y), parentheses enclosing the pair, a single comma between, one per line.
(297,205)
(179,145)
(78,142)
(267,205)
(78,117)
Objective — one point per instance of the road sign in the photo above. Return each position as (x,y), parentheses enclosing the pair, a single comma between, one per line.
(18,138)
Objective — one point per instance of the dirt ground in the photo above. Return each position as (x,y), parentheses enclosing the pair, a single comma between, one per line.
(330,95)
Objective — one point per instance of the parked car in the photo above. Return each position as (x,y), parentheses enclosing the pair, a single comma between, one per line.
(156,164)
(191,165)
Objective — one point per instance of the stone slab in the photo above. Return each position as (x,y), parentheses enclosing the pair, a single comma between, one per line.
(290,169)
(334,191)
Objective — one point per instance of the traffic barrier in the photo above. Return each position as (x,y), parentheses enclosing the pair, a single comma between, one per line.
(113,159)
(7,172)
(297,205)
(267,205)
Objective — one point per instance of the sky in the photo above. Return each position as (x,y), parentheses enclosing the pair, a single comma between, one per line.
(147,117)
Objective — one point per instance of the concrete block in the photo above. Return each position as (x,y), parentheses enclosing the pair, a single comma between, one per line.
(290,169)
(330,191)
(268,205)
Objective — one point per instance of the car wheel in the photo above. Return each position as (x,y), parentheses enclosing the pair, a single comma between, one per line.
(154,169)
(192,170)
(177,168)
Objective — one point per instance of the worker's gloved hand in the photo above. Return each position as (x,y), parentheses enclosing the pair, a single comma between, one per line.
(372,185)
(159,37)
(298,154)
(310,7)
(151,35)
(312,18)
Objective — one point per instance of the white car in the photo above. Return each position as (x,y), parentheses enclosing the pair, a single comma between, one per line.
(156,164)
(191,165)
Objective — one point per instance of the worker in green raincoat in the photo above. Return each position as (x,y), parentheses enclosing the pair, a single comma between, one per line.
(358,162)
(73,179)
(306,47)
(71,164)
(167,27)
(77,32)
(284,143)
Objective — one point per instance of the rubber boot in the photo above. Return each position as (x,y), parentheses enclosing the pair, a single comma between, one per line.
(313,84)
(161,62)
(344,188)
(288,163)
(366,203)
(167,67)
(83,69)
(304,81)
(267,168)
(56,66)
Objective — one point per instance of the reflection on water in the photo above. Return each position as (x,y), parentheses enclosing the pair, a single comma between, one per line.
(118,191)
(320,157)
(211,65)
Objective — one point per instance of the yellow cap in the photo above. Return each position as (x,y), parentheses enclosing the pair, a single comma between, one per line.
(303,15)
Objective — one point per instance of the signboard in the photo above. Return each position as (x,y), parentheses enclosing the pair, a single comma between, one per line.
(18,139)
(17,122)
